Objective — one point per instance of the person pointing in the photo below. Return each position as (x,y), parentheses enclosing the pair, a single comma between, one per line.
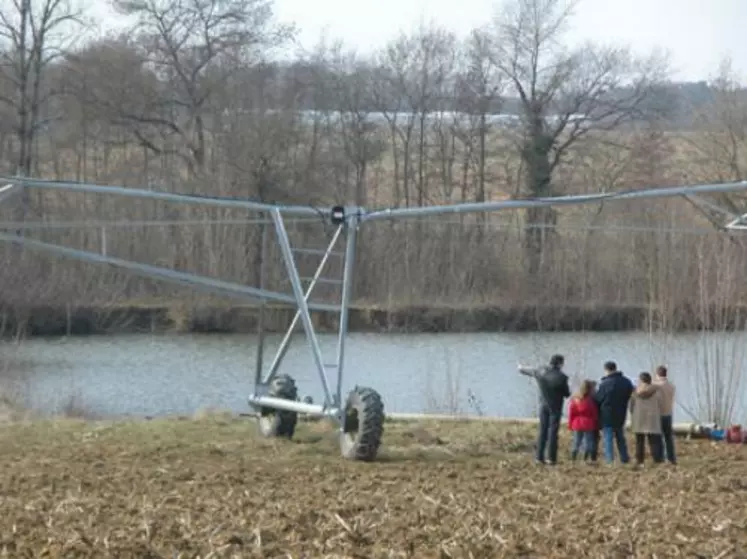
(553,389)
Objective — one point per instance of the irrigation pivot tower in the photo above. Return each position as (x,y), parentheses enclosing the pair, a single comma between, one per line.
(360,415)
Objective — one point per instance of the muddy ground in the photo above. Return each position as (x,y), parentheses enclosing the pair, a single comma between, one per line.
(210,487)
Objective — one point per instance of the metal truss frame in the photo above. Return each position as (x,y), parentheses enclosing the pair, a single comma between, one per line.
(347,222)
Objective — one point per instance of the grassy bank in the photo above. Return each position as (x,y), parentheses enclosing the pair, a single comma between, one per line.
(162,318)
(209,486)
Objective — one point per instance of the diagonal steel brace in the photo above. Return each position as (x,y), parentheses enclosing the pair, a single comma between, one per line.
(202,283)
(285,343)
(303,306)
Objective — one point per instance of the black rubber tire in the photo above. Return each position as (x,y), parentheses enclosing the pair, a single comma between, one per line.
(364,425)
(279,423)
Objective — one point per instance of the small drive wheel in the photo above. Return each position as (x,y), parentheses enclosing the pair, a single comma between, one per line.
(279,423)
(364,425)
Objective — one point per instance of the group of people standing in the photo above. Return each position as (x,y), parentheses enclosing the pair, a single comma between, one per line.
(599,410)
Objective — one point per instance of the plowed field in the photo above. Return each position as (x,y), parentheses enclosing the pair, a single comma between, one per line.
(210,487)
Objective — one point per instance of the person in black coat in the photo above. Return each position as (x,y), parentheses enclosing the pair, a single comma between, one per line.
(554,389)
(612,397)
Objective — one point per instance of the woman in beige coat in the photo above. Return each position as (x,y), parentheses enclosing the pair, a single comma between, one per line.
(645,412)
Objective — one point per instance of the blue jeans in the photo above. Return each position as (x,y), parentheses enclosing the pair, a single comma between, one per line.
(549,424)
(587,440)
(668,436)
(618,435)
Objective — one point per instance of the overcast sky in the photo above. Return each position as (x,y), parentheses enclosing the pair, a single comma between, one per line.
(697,33)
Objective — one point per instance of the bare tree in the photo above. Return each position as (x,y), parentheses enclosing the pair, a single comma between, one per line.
(412,79)
(109,84)
(718,143)
(479,88)
(719,356)
(192,47)
(350,87)
(34,35)
(564,93)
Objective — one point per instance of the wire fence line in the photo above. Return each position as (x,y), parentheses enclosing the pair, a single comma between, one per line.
(128,224)
(609,254)
(123,224)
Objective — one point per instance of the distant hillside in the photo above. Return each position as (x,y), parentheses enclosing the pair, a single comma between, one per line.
(676,101)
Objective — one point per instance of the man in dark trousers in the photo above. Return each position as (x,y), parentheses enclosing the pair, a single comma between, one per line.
(553,389)
(612,397)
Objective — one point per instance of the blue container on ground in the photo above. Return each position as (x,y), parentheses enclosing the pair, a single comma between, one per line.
(718,434)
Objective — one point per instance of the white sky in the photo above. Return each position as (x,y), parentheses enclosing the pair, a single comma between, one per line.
(697,33)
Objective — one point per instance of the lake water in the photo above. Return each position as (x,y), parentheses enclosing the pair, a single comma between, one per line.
(155,375)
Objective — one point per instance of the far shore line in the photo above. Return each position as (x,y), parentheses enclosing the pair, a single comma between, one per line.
(133,318)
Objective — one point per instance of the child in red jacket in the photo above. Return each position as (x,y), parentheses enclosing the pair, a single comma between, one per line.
(583,419)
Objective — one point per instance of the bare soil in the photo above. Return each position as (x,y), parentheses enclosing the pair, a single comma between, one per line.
(211,487)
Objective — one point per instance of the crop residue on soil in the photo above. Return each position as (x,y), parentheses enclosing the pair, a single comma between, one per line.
(212,487)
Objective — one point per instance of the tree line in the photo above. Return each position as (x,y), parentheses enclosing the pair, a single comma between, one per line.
(201,96)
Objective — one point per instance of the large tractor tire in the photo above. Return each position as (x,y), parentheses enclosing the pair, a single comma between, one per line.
(279,423)
(364,425)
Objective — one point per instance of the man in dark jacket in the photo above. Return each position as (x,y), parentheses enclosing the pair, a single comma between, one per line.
(553,389)
(612,397)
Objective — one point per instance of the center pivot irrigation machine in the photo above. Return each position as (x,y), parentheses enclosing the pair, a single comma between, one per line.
(361,415)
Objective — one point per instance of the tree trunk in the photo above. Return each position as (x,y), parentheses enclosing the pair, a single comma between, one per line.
(536,156)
